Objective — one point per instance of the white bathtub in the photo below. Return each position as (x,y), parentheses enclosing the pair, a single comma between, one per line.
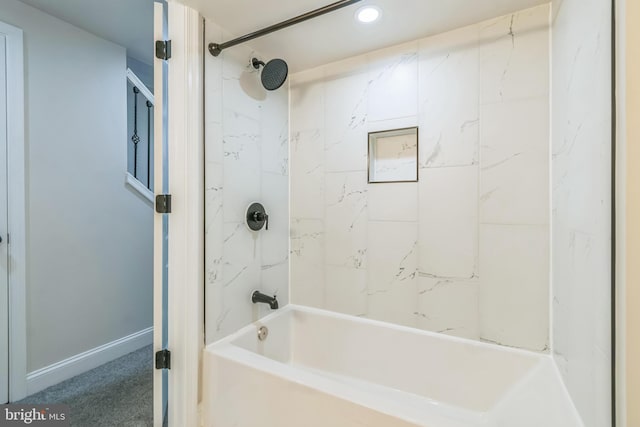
(321,369)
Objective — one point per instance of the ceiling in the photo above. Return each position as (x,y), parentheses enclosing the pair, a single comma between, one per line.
(128,23)
(337,35)
(327,38)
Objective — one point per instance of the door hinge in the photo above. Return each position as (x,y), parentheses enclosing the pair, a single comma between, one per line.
(163,359)
(163,203)
(163,49)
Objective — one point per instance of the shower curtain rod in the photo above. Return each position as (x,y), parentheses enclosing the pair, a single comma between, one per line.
(216,48)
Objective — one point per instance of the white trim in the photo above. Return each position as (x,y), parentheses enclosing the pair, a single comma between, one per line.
(17,212)
(186,222)
(68,368)
(621,404)
(131,76)
(550,131)
(139,187)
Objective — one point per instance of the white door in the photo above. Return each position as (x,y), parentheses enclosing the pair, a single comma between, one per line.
(179,236)
(4,258)
(160,291)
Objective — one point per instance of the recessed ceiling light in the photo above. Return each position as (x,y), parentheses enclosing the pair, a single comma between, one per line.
(368,14)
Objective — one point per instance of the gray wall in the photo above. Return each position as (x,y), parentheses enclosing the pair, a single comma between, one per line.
(581,214)
(89,278)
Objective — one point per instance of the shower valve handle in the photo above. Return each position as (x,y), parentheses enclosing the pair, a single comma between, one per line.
(257,217)
(261,217)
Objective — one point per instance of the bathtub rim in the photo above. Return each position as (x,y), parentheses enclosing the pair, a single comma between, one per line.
(377,323)
(227,349)
(409,409)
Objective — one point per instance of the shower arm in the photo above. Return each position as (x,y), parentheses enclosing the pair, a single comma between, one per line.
(216,48)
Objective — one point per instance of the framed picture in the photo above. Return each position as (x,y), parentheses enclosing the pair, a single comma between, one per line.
(393,155)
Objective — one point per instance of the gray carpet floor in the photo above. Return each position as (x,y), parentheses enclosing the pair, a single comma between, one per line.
(119,393)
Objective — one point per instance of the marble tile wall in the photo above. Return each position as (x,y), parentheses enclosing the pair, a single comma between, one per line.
(463,251)
(581,217)
(246,155)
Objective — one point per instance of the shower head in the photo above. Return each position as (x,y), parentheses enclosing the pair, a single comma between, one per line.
(274,73)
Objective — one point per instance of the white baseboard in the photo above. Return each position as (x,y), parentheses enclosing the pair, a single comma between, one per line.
(53,374)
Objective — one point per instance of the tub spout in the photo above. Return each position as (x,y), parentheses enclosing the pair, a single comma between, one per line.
(260,297)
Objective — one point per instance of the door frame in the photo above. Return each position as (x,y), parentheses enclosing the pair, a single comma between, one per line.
(627,209)
(185,158)
(16,212)
(186,221)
